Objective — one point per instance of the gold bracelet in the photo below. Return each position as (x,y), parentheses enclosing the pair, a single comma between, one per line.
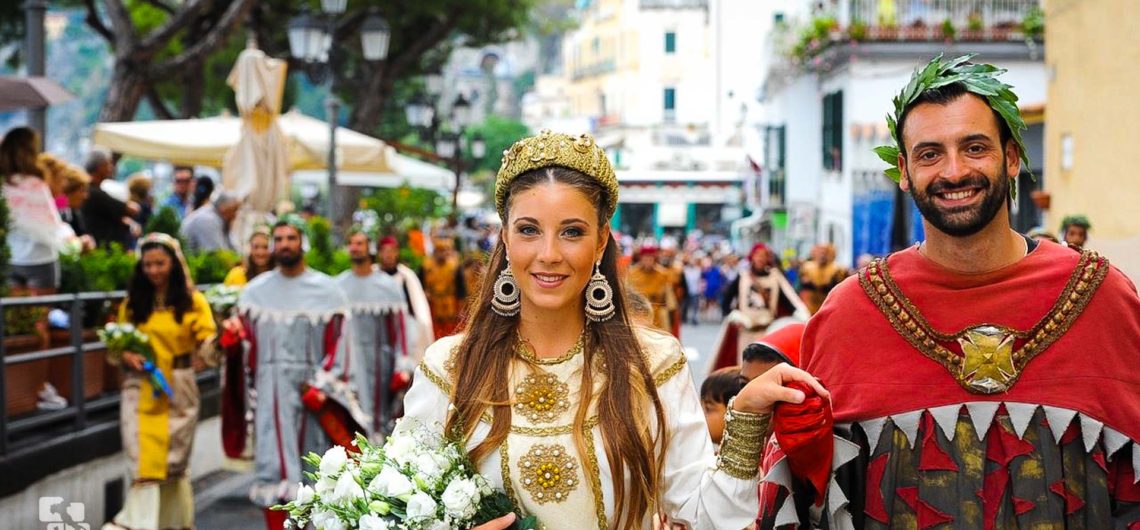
(743,442)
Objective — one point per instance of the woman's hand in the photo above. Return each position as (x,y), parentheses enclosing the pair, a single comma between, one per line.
(497,524)
(133,360)
(762,393)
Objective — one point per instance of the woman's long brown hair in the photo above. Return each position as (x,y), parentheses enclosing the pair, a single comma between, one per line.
(633,435)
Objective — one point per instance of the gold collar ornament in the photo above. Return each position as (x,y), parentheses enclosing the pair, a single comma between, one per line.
(990,362)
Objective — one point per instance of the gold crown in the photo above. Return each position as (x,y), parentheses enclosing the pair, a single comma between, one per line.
(580,153)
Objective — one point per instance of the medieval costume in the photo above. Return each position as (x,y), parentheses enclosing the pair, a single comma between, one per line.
(295,331)
(1007,399)
(158,429)
(763,296)
(696,491)
(443,281)
(378,363)
(656,284)
(419,327)
(819,276)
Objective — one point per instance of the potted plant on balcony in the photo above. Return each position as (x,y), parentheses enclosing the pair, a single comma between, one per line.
(1033,24)
(975,28)
(857,31)
(948,31)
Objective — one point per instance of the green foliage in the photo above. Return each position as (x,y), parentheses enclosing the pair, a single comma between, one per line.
(980,79)
(211,267)
(164,221)
(323,255)
(857,31)
(399,209)
(500,134)
(813,38)
(1033,25)
(948,30)
(975,22)
(102,269)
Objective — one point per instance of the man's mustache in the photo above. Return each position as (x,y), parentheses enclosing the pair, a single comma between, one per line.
(943,186)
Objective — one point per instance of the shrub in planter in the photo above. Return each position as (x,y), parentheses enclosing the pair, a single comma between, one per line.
(164,221)
(211,267)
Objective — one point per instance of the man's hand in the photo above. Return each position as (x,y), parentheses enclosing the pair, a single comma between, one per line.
(133,208)
(497,524)
(762,393)
(133,360)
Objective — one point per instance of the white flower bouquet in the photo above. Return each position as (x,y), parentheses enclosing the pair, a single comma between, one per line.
(417,481)
(222,299)
(125,337)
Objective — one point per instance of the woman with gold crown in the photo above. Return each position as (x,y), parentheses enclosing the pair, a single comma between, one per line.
(157,429)
(585,419)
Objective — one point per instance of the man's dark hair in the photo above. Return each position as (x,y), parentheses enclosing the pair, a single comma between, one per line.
(183,168)
(722,385)
(763,353)
(944,96)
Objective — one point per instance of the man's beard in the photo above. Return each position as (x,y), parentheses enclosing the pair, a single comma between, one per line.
(287,259)
(964,221)
(360,260)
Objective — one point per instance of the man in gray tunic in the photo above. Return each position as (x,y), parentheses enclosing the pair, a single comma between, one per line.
(294,321)
(379,340)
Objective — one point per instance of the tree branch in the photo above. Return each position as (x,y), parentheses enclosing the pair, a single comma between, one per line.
(210,42)
(161,5)
(156,104)
(426,41)
(97,24)
(177,22)
(122,29)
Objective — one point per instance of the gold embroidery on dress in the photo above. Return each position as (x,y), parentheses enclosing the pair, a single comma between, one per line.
(549,473)
(541,397)
(990,363)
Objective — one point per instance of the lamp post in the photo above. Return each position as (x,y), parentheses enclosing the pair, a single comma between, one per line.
(421,113)
(312,42)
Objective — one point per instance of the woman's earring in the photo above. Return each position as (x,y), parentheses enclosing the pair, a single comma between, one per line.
(599,297)
(506,300)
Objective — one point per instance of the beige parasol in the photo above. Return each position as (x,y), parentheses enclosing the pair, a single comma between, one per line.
(257,166)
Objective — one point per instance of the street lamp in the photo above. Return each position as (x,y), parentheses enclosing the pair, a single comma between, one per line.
(311,41)
(449,145)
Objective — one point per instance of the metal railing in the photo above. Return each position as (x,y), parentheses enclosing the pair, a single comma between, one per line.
(962,14)
(80,408)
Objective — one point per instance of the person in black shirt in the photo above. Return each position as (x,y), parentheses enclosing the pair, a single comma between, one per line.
(103,213)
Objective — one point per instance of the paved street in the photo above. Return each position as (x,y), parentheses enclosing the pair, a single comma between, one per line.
(222,503)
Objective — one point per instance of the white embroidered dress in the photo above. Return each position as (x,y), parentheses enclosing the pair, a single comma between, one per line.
(565,490)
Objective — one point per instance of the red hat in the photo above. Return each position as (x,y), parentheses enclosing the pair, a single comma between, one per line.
(388,240)
(648,249)
(758,247)
(786,341)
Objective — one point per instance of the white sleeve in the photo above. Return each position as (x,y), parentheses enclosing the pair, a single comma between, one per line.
(696,493)
(425,401)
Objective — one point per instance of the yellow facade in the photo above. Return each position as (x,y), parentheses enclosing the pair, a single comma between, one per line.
(599,54)
(1093,125)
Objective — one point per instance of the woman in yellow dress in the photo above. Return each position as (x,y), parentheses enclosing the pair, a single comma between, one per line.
(158,430)
(259,260)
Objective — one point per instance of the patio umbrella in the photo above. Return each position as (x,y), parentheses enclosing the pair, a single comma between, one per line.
(30,93)
(257,166)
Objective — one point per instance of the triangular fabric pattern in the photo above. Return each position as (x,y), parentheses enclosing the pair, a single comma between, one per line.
(1059,420)
(780,474)
(1090,429)
(982,415)
(908,424)
(787,514)
(1113,441)
(1020,414)
(874,430)
(845,451)
(947,419)
(1135,463)
(837,503)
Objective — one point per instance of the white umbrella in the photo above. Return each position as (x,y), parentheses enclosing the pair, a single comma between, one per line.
(256,167)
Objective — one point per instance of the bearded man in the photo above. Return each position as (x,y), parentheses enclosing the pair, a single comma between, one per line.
(980,379)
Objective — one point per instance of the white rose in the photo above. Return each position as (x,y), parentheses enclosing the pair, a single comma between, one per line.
(373,522)
(439,525)
(459,498)
(346,490)
(333,461)
(421,506)
(327,520)
(305,494)
(391,483)
(400,448)
(128,328)
(325,486)
(426,464)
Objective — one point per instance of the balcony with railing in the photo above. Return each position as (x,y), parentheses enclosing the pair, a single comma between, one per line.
(878,22)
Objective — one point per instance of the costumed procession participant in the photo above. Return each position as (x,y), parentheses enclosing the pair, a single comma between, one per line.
(1075,230)
(577,437)
(258,260)
(667,258)
(655,283)
(763,298)
(419,327)
(443,280)
(379,341)
(158,428)
(293,320)
(980,379)
(819,275)
(779,345)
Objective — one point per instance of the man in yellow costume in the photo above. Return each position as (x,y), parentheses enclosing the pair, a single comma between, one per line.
(653,281)
(443,281)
